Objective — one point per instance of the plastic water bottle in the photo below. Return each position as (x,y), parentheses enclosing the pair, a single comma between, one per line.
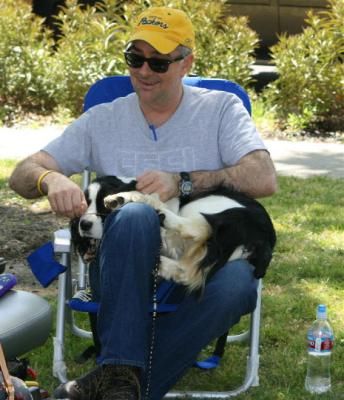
(320,343)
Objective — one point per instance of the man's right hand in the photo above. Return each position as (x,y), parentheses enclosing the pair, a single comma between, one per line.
(65,197)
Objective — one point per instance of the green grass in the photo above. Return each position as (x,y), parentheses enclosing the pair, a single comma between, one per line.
(307,269)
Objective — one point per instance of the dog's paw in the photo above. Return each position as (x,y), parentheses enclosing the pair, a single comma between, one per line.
(169,219)
(169,269)
(189,276)
(113,201)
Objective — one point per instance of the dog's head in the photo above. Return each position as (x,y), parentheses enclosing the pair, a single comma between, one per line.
(87,230)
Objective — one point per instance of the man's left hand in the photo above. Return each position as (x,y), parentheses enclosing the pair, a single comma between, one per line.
(165,184)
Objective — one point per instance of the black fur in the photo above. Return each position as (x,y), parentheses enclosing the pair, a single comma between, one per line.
(249,226)
(108,185)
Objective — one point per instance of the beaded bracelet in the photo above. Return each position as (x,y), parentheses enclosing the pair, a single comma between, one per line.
(40,179)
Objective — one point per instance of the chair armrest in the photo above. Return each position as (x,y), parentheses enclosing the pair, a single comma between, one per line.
(62,241)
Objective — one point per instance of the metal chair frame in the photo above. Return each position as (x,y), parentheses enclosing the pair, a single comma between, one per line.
(103,91)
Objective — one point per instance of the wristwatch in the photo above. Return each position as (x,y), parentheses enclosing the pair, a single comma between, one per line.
(185,184)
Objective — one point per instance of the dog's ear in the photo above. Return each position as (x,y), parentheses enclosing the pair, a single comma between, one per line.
(75,234)
(74,229)
(80,244)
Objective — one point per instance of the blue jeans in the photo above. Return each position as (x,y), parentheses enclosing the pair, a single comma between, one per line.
(127,256)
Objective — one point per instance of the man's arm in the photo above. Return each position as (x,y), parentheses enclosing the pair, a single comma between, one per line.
(253,175)
(65,197)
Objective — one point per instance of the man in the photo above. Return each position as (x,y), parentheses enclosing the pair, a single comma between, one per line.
(161,130)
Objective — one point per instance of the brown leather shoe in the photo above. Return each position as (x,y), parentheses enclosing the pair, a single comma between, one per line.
(84,388)
(109,382)
(120,382)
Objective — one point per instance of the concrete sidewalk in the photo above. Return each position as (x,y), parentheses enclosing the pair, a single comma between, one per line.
(305,159)
(301,159)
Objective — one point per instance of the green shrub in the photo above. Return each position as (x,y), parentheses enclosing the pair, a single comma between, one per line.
(309,90)
(91,48)
(224,44)
(93,43)
(36,78)
(24,61)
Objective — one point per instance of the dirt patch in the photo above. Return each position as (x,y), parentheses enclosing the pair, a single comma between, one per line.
(24,228)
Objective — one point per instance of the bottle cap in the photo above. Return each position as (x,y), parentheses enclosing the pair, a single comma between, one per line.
(321,311)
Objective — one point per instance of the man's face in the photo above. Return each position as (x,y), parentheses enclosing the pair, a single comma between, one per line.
(154,88)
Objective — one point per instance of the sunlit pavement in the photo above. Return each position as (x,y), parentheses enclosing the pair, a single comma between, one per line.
(302,159)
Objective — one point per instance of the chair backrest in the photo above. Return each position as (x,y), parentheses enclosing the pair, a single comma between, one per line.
(110,88)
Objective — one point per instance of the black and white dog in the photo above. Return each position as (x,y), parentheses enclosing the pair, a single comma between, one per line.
(87,230)
(199,235)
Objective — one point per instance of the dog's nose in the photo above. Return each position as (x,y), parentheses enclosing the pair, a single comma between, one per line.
(86,225)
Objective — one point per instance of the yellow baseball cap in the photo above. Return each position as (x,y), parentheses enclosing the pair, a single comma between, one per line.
(164,28)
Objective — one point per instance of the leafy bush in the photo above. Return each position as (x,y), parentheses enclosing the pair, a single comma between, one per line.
(35,77)
(24,61)
(309,90)
(224,44)
(91,48)
(93,43)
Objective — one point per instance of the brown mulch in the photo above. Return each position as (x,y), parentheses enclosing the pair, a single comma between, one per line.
(25,226)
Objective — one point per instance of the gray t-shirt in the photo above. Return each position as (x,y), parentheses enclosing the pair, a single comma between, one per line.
(210,130)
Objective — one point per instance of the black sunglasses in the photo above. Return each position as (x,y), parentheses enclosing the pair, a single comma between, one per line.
(155,64)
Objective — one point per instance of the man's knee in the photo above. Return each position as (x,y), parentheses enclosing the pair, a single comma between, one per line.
(133,215)
(235,286)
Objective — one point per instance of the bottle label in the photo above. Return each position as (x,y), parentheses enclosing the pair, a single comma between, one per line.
(319,345)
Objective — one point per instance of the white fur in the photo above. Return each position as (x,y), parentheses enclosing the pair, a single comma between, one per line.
(184,235)
(126,179)
(185,231)
(96,232)
(239,253)
(212,204)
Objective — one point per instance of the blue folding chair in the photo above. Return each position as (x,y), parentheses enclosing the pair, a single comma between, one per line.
(103,91)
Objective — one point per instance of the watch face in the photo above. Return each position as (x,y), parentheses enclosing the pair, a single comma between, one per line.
(186,187)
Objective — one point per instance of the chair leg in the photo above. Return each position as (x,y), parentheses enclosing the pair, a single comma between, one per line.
(81,285)
(252,366)
(59,366)
(64,315)
(254,337)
